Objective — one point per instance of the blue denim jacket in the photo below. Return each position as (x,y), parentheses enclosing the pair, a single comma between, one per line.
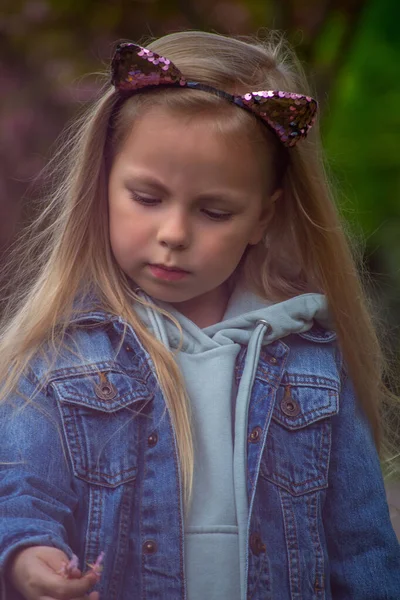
(93,466)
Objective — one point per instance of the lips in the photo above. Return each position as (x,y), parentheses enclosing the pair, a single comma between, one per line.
(170,274)
(170,269)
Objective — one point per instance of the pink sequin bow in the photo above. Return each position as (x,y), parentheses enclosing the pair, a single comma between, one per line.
(288,114)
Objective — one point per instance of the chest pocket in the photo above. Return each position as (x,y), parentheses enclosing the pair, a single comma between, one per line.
(100,415)
(298,445)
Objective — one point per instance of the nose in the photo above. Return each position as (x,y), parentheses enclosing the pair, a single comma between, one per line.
(174,230)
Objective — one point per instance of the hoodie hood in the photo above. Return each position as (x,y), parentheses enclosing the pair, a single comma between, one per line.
(244,310)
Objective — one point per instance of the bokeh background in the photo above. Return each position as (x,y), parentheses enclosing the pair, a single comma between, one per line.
(51,52)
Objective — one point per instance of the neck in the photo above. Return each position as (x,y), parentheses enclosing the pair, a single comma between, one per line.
(207,309)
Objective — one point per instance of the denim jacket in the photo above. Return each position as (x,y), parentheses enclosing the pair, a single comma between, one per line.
(92,465)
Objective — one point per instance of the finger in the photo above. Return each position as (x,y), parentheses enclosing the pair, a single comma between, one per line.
(91,596)
(75,574)
(68,589)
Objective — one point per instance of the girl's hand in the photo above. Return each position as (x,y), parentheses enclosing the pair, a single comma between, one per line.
(39,573)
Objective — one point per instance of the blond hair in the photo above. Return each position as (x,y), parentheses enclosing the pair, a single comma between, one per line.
(67,250)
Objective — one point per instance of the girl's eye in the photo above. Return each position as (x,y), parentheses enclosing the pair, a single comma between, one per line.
(144,200)
(216,216)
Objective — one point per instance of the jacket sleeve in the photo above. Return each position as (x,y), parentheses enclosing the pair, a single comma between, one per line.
(364,553)
(36,493)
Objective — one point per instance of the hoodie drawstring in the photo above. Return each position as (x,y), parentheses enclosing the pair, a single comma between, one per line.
(240,449)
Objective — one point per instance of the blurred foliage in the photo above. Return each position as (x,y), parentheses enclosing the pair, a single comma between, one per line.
(350,49)
(362,126)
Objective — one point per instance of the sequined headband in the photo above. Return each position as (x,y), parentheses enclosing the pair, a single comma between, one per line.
(288,114)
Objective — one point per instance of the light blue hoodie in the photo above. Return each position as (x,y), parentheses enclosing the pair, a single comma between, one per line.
(215,531)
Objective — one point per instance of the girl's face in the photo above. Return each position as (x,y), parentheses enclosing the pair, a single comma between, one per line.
(186,196)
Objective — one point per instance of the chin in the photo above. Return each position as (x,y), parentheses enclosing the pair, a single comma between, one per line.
(165,295)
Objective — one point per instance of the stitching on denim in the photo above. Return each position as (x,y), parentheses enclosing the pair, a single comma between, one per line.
(85,369)
(95,518)
(322,560)
(312,513)
(285,511)
(281,485)
(295,484)
(140,503)
(277,416)
(324,445)
(100,494)
(97,475)
(310,380)
(314,411)
(73,442)
(324,433)
(123,541)
(329,452)
(261,559)
(178,491)
(87,551)
(143,375)
(74,394)
(261,446)
(76,452)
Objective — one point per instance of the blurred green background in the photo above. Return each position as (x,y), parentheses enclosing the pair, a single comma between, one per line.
(350,49)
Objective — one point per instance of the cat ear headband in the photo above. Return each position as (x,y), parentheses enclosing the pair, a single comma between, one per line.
(288,114)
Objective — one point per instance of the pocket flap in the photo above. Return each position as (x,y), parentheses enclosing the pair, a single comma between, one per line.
(106,390)
(300,402)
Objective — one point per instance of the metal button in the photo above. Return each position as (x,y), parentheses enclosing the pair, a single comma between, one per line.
(255,434)
(273,360)
(267,325)
(105,390)
(257,546)
(149,547)
(290,407)
(152,439)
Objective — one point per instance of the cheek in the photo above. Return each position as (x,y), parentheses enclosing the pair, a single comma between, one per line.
(239,237)
(127,235)
(226,247)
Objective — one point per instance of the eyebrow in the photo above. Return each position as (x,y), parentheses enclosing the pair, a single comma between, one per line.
(149,181)
(155,184)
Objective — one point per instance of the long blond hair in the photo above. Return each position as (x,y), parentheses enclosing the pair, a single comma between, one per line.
(67,250)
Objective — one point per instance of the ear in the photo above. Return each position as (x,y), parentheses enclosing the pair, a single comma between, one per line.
(266,215)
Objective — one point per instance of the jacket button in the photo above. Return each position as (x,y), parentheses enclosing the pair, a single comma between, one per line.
(257,546)
(105,390)
(255,435)
(149,547)
(290,407)
(152,439)
(273,360)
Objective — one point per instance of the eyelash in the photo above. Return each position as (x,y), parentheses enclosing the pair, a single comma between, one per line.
(153,202)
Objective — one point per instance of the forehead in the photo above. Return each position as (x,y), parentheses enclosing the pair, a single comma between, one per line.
(195,145)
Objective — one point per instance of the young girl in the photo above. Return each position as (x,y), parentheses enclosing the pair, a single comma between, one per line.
(190,379)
